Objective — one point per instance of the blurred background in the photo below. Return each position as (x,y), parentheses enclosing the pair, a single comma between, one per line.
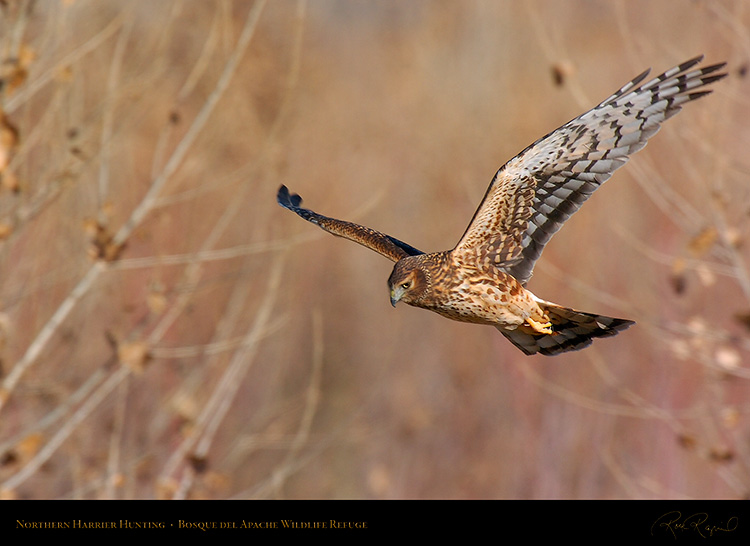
(168,331)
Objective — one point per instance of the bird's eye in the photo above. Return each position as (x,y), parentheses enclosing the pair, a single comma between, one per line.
(406,285)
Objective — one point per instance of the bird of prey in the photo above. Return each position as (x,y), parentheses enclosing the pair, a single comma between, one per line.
(483,278)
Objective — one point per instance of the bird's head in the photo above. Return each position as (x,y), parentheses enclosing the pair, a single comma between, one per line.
(408,282)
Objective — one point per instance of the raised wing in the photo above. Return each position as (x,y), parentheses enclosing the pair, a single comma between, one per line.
(381,243)
(533,194)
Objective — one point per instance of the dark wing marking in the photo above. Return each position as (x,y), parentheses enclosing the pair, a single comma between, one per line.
(573,329)
(533,194)
(381,243)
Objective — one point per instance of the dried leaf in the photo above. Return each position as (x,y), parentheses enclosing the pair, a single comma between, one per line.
(731,417)
(117,479)
(134,354)
(29,446)
(561,71)
(686,440)
(6,230)
(15,70)
(102,244)
(680,348)
(721,454)
(186,406)
(697,326)
(702,243)
(198,462)
(216,481)
(733,237)
(728,358)
(743,318)
(677,279)
(8,141)
(706,276)
(10,180)
(156,300)
(166,488)
(9,458)
(65,75)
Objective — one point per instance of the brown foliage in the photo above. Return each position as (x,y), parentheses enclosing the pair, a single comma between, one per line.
(168,331)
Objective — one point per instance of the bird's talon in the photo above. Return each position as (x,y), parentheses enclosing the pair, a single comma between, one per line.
(542,328)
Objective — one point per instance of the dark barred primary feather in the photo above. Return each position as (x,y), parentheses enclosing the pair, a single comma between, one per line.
(388,246)
(539,189)
(572,330)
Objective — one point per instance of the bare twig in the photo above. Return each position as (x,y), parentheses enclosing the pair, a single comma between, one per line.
(140,212)
(220,401)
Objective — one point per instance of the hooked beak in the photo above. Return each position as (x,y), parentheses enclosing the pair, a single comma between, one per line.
(396,294)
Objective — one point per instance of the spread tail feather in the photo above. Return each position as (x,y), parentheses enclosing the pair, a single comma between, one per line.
(572,330)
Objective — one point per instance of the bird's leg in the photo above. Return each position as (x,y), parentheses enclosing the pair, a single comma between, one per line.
(540,327)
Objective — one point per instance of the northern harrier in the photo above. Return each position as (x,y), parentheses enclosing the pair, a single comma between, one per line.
(483,279)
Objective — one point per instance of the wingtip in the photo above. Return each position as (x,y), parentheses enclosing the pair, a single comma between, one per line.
(287,200)
(623,324)
(706,69)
